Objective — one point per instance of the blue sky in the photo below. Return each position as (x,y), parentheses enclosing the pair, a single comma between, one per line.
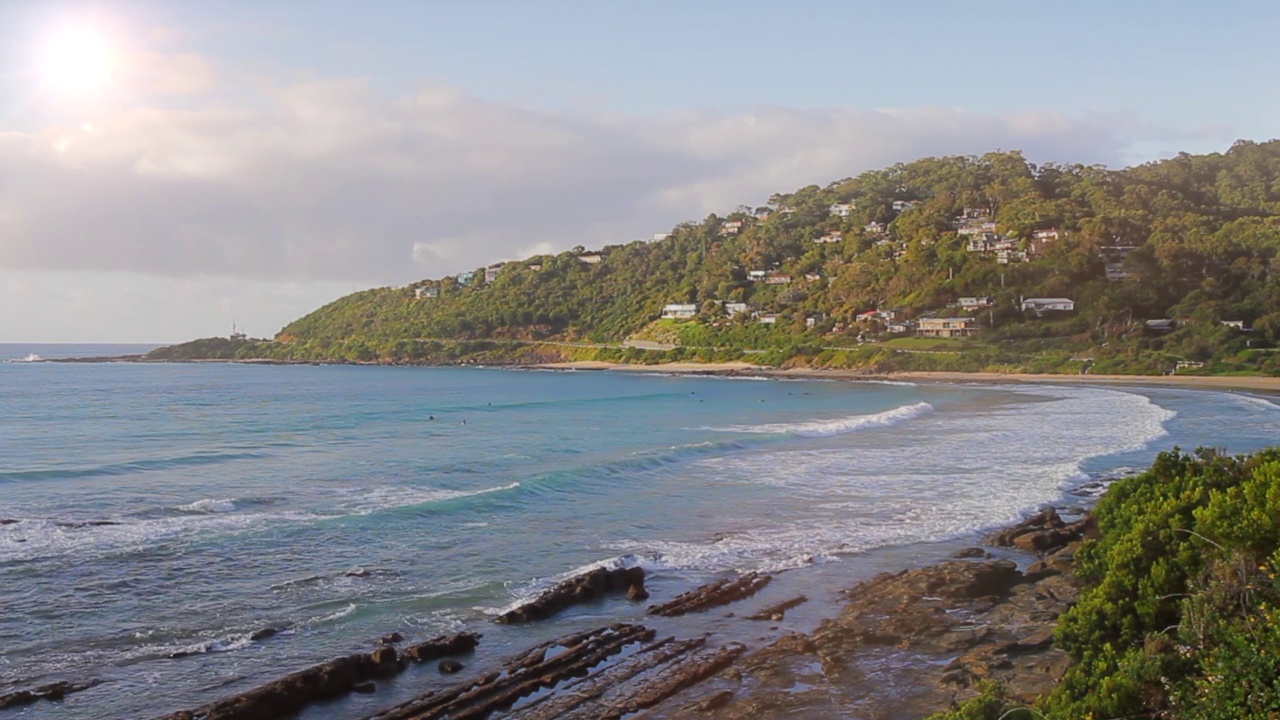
(252,160)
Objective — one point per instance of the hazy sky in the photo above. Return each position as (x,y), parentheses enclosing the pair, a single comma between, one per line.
(167,168)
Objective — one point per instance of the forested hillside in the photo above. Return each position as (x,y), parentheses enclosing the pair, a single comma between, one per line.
(1192,240)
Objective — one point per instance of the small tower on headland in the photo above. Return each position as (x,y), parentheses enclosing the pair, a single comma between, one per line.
(236,334)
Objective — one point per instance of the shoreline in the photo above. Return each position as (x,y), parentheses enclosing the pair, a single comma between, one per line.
(1214,382)
(781,648)
(1255,383)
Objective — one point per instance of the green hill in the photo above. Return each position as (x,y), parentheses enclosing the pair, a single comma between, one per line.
(1192,239)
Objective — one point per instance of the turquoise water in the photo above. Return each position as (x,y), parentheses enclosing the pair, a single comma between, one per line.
(175,509)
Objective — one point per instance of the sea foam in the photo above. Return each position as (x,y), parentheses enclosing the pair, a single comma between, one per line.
(837,426)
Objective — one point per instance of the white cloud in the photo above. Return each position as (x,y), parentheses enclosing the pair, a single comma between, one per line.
(329,180)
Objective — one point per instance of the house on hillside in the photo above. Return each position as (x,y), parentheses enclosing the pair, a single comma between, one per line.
(1007,255)
(491,272)
(778,280)
(903,205)
(590,258)
(426,291)
(946,327)
(876,315)
(679,311)
(757,275)
(768,319)
(1039,306)
(1160,326)
(874,228)
(834,236)
(1115,272)
(973,303)
(734,309)
(1234,325)
(465,278)
(731,227)
(842,209)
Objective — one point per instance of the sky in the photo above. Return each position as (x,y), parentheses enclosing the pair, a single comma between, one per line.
(170,168)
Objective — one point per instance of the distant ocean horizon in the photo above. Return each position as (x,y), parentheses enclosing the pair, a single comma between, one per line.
(57,351)
(156,516)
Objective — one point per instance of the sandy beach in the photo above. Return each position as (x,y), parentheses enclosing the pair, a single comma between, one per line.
(1224,382)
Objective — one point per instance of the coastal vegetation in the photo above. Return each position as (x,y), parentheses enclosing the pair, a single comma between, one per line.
(1179,614)
(1170,266)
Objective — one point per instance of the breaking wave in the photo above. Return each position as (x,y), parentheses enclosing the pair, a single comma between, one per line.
(837,426)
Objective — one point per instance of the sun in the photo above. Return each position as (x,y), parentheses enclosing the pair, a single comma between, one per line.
(76,61)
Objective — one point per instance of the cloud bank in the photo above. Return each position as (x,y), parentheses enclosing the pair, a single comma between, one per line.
(329,180)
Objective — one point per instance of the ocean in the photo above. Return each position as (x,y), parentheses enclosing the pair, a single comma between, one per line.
(166,512)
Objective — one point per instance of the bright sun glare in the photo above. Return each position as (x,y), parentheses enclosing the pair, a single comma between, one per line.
(76,61)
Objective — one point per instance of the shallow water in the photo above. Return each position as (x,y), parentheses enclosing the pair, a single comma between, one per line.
(176,509)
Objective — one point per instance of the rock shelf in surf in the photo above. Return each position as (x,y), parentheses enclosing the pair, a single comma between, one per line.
(721,592)
(52,691)
(352,673)
(578,589)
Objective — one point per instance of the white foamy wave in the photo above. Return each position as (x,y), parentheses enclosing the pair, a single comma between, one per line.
(209,505)
(227,644)
(392,497)
(962,473)
(1257,402)
(838,426)
(330,617)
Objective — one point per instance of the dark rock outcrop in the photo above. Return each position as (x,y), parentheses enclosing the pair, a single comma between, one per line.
(292,693)
(580,588)
(778,611)
(442,646)
(1045,532)
(720,592)
(52,691)
(544,666)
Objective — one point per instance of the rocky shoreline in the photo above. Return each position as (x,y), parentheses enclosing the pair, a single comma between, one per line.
(901,645)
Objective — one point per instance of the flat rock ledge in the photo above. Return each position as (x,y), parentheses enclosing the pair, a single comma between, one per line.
(578,589)
(721,592)
(593,676)
(352,673)
(53,691)
(912,643)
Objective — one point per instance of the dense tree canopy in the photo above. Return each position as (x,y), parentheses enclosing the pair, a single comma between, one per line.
(1195,236)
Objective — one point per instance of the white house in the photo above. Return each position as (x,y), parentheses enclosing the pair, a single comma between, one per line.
(778,280)
(972,303)
(679,311)
(901,205)
(946,327)
(732,227)
(874,228)
(590,258)
(1041,305)
(842,209)
(426,291)
(734,309)
(491,272)
(768,319)
(757,274)
(834,236)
